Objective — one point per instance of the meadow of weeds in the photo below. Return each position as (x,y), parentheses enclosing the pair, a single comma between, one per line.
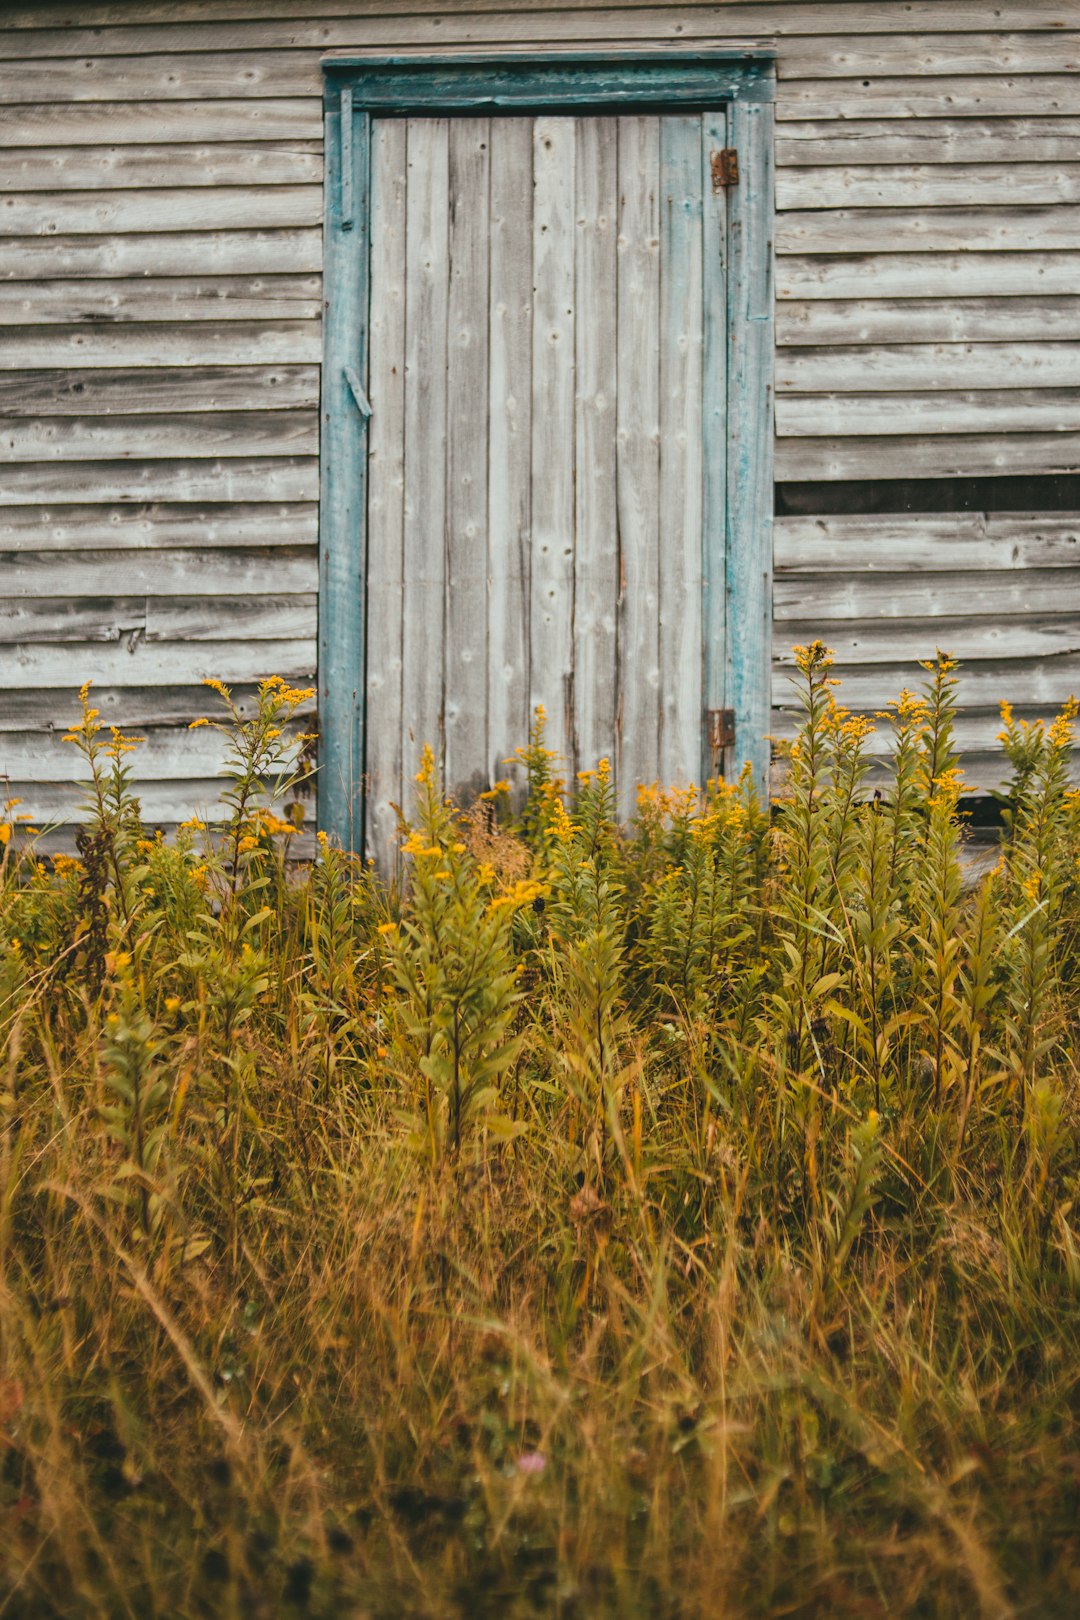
(670,1221)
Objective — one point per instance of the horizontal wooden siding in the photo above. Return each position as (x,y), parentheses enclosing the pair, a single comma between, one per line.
(160,300)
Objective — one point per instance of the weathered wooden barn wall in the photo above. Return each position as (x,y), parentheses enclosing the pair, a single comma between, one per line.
(160,298)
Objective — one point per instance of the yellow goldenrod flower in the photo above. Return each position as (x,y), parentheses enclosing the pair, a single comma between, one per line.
(195,724)
(173,1004)
(5,833)
(388,928)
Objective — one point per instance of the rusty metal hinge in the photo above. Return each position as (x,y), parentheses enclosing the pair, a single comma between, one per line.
(725,168)
(721,728)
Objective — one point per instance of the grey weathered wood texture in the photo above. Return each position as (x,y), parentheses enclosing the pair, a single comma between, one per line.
(160,298)
(536,472)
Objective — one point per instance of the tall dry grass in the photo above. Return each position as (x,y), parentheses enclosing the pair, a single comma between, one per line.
(678,1221)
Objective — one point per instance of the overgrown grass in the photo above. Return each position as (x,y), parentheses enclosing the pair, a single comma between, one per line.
(672,1222)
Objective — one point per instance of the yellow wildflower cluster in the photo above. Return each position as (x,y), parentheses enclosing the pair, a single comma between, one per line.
(561,825)
(265,824)
(855,728)
(947,787)
(425,776)
(522,893)
(418,847)
(292,696)
(65,865)
(218,686)
(812,658)
(496,790)
(909,708)
(1060,734)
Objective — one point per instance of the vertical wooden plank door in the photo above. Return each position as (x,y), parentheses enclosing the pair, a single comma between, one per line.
(546,458)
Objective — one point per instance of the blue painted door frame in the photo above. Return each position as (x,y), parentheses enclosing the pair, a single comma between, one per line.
(737,86)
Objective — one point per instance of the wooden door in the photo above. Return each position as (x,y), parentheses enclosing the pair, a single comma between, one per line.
(546,447)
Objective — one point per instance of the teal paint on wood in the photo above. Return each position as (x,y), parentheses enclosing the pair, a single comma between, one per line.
(398,86)
(750,433)
(342,525)
(714,409)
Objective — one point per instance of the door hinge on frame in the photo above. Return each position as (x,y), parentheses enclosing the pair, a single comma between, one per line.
(725,168)
(720,725)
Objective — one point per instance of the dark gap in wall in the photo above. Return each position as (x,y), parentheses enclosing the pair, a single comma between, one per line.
(891,495)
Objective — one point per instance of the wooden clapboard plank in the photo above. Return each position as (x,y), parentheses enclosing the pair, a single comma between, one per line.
(926,456)
(509,432)
(1044,681)
(466,460)
(131,123)
(1018,410)
(869,230)
(426,288)
(210,434)
(681,330)
(854,56)
(912,639)
(596,558)
(386,490)
(921,544)
(112,528)
(161,299)
(926,320)
(926,366)
(638,458)
(976,593)
(122,168)
(129,619)
(156,663)
(938,276)
(161,572)
(553,469)
(127,392)
(91,213)
(275,74)
(974,734)
(198,253)
(50,711)
(820,142)
(112,24)
(162,803)
(268,478)
(163,754)
(928,185)
(192,343)
(994,95)
(360,25)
